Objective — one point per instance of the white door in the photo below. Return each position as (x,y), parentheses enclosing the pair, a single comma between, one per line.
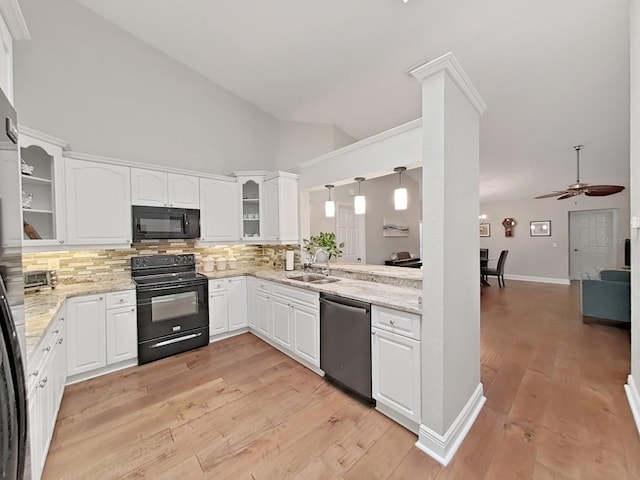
(350,230)
(184,191)
(263,314)
(281,318)
(122,334)
(218,313)
(219,217)
(149,187)
(271,207)
(237,303)
(98,203)
(306,331)
(591,243)
(86,332)
(395,372)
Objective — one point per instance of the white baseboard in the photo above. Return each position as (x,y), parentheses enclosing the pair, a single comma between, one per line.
(633,395)
(81,377)
(443,447)
(527,278)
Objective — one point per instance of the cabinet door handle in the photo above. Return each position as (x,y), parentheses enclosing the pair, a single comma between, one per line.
(121,300)
(60,341)
(57,330)
(373,333)
(34,373)
(47,349)
(100,298)
(62,319)
(133,309)
(61,242)
(392,322)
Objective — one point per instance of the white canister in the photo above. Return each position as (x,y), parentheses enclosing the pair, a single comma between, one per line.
(208,264)
(233,263)
(221,263)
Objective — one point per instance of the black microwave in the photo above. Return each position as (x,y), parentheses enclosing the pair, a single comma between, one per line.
(161,223)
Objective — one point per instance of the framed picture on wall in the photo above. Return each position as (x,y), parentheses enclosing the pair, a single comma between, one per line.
(540,228)
(485,229)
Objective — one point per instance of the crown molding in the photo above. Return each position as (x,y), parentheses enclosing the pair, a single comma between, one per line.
(147,166)
(12,14)
(449,63)
(413,124)
(43,136)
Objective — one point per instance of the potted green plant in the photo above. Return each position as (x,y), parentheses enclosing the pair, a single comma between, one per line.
(325,240)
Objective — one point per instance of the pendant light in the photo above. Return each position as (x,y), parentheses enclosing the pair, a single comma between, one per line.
(329,205)
(359,202)
(400,198)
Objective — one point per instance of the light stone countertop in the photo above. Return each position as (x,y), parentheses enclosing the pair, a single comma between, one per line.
(41,307)
(399,298)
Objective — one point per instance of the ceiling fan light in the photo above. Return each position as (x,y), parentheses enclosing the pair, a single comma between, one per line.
(400,198)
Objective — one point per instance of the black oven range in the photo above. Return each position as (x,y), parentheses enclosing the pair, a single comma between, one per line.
(173,310)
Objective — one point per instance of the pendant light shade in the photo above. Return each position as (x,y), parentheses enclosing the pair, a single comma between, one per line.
(359,202)
(329,205)
(400,197)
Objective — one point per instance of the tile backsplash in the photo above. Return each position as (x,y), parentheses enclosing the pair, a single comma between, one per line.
(79,265)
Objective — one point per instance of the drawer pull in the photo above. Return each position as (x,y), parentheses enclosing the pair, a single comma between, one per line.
(47,349)
(56,331)
(43,382)
(60,341)
(34,373)
(121,300)
(392,322)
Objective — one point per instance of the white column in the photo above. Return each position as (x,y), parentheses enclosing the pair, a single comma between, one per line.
(633,383)
(452,394)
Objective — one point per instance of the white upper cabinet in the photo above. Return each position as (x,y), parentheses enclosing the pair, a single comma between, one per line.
(184,191)
(43,199)
(161,189)
(98,203)
(149,187)
(251,209)
(219,218)
(12,27)
(281,208)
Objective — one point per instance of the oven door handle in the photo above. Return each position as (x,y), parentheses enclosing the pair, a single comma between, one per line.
(175,340)
(169,287)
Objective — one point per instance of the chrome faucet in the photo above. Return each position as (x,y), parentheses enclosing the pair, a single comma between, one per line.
(314,258)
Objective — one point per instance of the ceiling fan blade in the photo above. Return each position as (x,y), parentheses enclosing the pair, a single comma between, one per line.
(602,190)
(568,195)
(549,195)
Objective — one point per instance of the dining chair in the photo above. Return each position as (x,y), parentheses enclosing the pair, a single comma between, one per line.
(498,271)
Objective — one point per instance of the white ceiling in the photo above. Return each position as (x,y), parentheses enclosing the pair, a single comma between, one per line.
(554,74)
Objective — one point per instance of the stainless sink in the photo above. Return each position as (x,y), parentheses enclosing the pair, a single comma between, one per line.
(314,278)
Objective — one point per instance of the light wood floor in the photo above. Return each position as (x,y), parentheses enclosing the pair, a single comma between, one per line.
(239,409)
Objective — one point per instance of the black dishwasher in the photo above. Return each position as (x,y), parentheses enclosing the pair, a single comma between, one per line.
(345,343)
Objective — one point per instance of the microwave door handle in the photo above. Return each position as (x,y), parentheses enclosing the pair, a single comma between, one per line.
(185,223)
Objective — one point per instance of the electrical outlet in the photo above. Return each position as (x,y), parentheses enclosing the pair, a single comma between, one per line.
(53,264)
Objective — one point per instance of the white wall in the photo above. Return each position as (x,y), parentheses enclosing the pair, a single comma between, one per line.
(379,195)
(299,142)
(635,201)
(536,256)
(83,79)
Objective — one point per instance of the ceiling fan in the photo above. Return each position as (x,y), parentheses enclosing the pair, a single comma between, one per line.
(580,188)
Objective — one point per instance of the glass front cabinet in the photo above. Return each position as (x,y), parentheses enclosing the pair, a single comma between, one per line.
(43,201)
(251,206)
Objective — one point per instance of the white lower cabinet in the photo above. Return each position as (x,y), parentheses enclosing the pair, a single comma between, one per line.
(290,318)
(218,312)
(87,334)
(252,291)
(122,334)
(396,366)
(46,379)
(306,328)
(98,335)
(227,305)
(281,319)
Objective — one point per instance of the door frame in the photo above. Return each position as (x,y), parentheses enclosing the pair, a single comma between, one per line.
(361,221)
(614,232)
